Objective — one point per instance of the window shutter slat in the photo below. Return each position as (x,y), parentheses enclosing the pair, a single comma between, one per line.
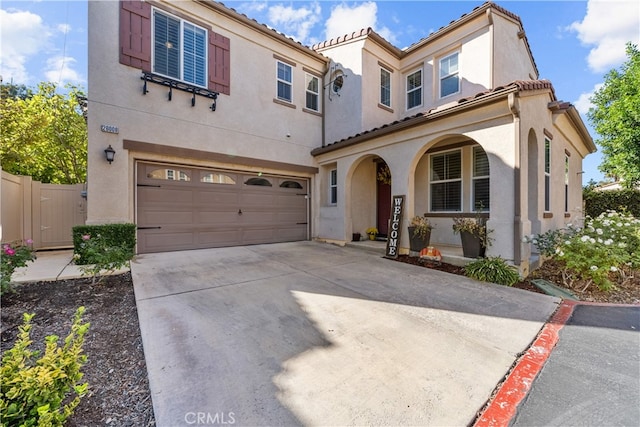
(219,63)
(135,34)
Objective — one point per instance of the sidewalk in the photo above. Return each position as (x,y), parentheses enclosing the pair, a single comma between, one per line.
(50,266)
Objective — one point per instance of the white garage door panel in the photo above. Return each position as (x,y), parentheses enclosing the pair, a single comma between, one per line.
(180,207)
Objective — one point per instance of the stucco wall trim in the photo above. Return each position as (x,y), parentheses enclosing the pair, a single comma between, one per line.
(148,147)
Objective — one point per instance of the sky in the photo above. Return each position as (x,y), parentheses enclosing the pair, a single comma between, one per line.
(574,43)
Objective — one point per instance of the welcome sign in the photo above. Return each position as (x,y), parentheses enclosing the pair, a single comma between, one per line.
(395,226)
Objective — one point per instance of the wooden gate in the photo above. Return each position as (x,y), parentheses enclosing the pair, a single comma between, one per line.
(45,213)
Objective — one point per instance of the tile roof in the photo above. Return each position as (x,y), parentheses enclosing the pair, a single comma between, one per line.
(400,53)
(416,119)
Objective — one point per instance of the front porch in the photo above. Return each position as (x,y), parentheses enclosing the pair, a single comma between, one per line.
(451,254)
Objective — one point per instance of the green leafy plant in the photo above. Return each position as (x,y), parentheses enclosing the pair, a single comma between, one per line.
(597,202)
(492,269)
(474,226)
(43,392)
(14,256)
(105,256)
(422,226)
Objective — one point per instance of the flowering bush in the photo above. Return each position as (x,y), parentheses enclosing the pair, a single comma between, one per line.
(14,256)
(104,257)
(605,251)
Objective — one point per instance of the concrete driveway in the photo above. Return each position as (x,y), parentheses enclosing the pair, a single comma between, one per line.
(316,334)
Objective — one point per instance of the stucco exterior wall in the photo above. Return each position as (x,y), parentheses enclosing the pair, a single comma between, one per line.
(510,56)
(246,123)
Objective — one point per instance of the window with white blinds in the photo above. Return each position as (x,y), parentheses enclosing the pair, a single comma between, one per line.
(446,182)
(547,175)
(179,49)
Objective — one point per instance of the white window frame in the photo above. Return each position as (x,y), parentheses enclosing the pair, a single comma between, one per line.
(384,88)
(547,175)
(414,89)
(460,179)
(308,78)
(333,187)
(284,82)
(475,177)
(181,48)
(449,74)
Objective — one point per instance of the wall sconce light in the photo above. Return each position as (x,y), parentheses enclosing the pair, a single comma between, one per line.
(109,153)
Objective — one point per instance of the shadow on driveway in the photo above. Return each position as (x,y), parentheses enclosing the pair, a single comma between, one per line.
(310,333)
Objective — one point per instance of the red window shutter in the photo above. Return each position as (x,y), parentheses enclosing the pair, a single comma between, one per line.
(219,63)
(135,34)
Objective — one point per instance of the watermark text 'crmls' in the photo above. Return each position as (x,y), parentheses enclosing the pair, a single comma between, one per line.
(210,418)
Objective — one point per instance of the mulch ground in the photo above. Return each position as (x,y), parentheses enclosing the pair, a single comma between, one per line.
(116,371)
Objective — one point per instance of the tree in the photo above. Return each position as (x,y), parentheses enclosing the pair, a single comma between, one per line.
(616,118)
(44,134)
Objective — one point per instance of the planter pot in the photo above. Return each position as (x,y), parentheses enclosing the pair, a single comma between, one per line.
(372,237)
(471,245)
(355,237)
(418,243)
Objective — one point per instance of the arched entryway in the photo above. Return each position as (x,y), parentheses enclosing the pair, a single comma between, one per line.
(370,195)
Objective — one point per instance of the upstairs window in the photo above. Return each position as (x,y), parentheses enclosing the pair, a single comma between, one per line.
(449,77)
(179,49)
(414,89)
(385,87)
(446,182)
(285,78)
(480,180)
(312,85)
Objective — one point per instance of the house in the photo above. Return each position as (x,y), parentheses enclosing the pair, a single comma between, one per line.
(227,132)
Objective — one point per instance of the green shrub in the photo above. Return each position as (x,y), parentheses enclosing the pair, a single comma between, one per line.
(41,392)
(111,236)
(598,202)
(492,269)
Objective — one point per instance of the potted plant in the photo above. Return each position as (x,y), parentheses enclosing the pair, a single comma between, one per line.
(474,235)
(419,233)
(372,232)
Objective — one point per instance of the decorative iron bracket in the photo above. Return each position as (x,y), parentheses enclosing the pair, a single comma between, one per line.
(175,84)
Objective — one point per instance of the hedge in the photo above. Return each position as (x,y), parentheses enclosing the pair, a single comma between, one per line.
(597,202)
(123,235)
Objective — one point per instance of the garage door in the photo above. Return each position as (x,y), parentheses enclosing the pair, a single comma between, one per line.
(180,207)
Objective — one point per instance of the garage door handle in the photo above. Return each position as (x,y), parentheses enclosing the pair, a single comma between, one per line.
(239,211)
(148,185)
(149,228)
(302,223)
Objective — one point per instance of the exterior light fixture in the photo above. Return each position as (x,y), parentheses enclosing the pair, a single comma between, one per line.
(109,153)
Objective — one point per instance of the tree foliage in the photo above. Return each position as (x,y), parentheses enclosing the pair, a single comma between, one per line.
(44,134)
(616,118)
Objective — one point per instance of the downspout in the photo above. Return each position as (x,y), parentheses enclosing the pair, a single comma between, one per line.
(517,231)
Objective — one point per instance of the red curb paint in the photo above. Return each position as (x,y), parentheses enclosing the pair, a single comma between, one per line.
(505,403)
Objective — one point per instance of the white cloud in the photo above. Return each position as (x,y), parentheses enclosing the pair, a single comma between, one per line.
(64,28)
(23,36)
(60,70)
(583,104)
(252,7)
(608,26)
(346,20)
(296,23)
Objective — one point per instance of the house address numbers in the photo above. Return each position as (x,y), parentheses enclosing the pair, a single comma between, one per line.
(109,128)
